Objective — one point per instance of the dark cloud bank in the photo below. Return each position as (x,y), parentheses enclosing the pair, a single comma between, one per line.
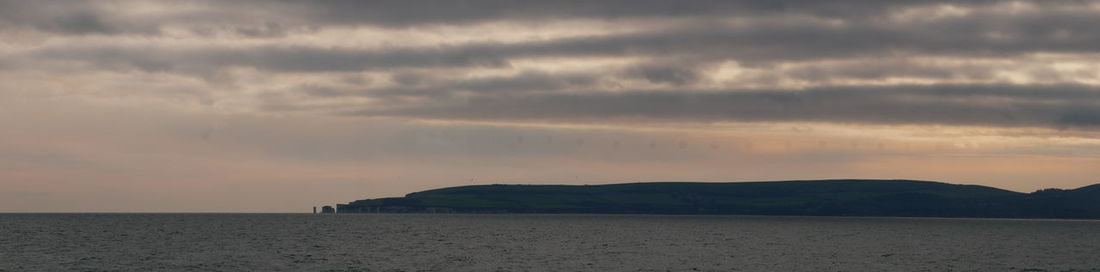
(1055,106)
(110,17)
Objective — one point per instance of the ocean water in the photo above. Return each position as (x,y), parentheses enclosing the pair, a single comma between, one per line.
(450,242)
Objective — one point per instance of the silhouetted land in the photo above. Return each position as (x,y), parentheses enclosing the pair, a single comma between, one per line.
(908,198)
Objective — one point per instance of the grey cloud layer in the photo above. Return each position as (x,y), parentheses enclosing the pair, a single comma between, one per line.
(678,46)
(112,17)
(273,58)
(757,44)
(1060,106)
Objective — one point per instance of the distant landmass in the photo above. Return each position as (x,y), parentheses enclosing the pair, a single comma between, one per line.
(902,198)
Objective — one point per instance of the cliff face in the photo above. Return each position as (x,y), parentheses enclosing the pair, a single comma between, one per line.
(824,197)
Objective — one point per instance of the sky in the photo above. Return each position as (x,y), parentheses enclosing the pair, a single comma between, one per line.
(279,106)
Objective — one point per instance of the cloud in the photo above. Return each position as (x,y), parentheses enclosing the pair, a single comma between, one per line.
(670,74)
(669,70)
(1057,106)
(270,58)
(80,23)
(758,43)
(112,17)
(417,85)
(70,17)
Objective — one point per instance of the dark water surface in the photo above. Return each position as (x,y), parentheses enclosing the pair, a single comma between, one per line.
(427,242)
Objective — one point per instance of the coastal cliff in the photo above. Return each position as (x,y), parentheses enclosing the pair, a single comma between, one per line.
(907,198)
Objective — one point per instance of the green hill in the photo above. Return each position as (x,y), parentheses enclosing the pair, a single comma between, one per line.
(820,197)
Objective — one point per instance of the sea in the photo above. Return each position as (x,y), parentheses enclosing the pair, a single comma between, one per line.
(522,242)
